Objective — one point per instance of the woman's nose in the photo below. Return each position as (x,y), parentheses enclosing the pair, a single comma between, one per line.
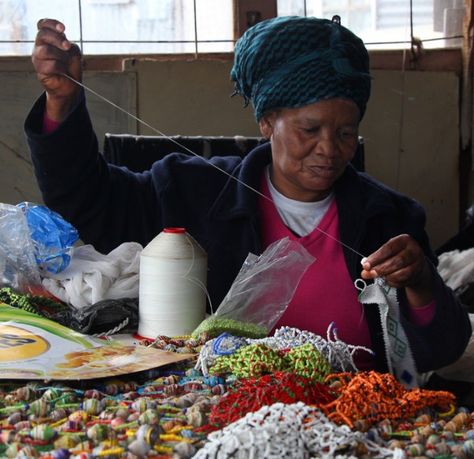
(327,145)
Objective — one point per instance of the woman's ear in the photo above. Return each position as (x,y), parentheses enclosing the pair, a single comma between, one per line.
(265,123)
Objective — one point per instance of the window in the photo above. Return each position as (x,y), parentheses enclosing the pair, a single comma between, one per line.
(122,26)
(388,23)
(207,26)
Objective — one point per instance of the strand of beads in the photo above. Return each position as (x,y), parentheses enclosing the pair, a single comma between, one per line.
(431,435)
(248,361)
(224,344)
(258,359)
(179,344)
(40,305)
(372,396)
(306,360)
(339,354)
(282,430)
(115,419)
(215,325)
(249,395)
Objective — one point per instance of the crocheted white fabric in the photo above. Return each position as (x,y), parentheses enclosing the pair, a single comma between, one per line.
(92,276)
(295,431)
(397,348)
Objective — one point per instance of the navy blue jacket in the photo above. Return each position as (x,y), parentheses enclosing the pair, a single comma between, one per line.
(110,205)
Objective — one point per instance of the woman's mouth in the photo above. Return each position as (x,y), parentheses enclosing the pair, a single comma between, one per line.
(323,171)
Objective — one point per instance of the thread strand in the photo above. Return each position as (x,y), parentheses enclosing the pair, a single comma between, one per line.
(157,131)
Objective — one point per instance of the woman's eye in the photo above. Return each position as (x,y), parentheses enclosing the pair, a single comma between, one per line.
(348,134)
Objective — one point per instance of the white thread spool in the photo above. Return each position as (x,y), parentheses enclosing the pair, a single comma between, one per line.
(172,291)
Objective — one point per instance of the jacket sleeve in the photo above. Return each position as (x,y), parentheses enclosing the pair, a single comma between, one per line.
(108,205)
(444,339)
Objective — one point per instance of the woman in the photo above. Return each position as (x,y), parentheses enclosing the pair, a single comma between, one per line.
(308,80)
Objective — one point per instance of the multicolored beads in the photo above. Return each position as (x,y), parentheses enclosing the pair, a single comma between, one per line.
(257,406)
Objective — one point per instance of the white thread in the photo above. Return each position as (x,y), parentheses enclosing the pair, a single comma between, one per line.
(157,131)
(206,358)
(197,281)
(360,284)
(172,293)
(114,330)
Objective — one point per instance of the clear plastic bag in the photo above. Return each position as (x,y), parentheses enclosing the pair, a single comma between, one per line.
(18,267)
(261,291)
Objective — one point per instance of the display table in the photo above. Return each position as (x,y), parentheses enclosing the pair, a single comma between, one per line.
(223,397)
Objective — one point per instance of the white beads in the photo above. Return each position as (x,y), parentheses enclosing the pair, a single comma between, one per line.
(279,430)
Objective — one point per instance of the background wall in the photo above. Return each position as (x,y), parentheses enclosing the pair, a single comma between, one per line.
(411,127)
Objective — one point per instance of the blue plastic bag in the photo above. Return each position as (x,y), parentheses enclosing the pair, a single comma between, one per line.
(52,236)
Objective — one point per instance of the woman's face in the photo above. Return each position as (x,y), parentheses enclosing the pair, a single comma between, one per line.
(311,146)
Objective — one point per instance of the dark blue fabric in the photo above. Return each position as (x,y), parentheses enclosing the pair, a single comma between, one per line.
(110,205)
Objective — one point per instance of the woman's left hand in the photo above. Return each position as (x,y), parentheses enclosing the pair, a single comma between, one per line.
(402,263)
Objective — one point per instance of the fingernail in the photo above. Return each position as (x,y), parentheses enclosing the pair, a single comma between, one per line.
(59,27)
(65,44)
(363,261)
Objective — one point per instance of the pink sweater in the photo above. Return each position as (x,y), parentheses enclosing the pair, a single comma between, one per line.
(49,125)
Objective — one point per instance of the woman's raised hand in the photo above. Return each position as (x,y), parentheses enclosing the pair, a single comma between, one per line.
(53,57)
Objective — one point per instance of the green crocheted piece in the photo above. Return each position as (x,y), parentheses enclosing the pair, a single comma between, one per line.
(40,305)
(215,325)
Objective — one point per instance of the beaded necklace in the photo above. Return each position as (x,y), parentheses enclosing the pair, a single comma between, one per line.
(372,396)
(249,395)
(296,431)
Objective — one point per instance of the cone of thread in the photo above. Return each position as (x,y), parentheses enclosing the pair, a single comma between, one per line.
(172,291)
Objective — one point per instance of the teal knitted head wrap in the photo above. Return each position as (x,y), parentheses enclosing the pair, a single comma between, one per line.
(289,62)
